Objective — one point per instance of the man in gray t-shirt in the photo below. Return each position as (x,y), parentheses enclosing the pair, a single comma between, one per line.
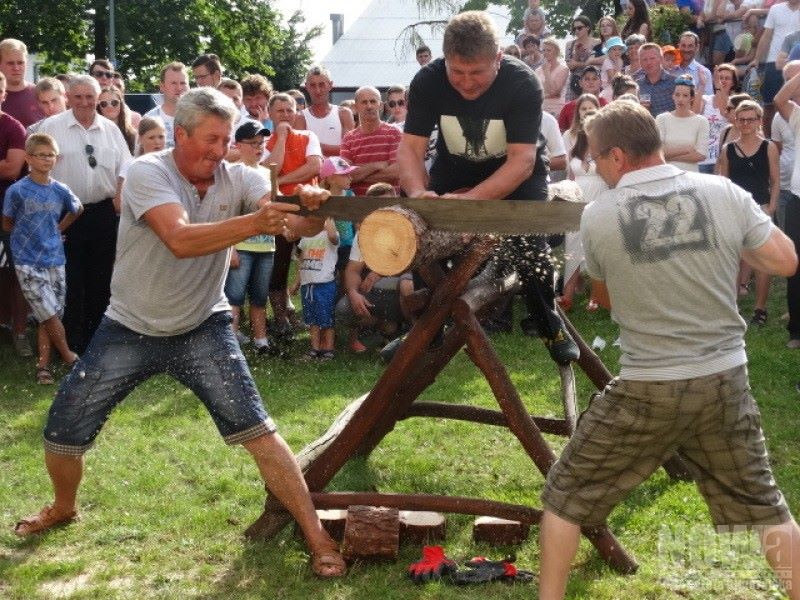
(182,210)
(667,245)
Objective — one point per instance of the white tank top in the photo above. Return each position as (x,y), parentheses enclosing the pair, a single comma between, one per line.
(328,128)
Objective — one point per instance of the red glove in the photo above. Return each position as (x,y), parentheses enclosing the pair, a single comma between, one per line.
(432,567)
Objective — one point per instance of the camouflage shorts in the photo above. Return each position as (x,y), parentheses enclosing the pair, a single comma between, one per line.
(633,427)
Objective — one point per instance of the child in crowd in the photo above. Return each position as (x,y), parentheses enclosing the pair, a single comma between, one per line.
(614,48)
(152,136)
(318,256)
(334,175)
(251,260)
(32,212)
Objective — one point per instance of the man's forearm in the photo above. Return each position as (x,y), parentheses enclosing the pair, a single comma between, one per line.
(278,154)
(199,239)
(302,174)
(503,181)
(389,174)
(330,149)
(411,168)
(364,171)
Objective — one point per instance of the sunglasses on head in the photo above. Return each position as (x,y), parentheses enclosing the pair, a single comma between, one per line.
(393,103)
(104,74)
(107,103)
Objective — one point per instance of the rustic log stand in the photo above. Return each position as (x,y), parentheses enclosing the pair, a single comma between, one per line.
(366,421)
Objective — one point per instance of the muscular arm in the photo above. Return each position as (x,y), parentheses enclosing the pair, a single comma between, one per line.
(783,99)
(411,164)
(389,173)
(364,171)
(516,169)
(776,256)
(11,165)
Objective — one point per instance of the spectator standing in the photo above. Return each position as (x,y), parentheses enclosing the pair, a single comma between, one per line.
(318,256)
(256,92)
(36,211)
(93,154)
(20,101)
(684,133)
(52,99)
(578,52)
(297,156)
(715,109)
(638,20)
(787,103)
(753,163)
(606,29)
(396,105)
(251,259)
(174,84)
(655,84)
(372,146)
(111,104)
(688,45)
(782,19)
(534,22)
(783,136)
(13,308)
(423,55)
(207,70)
(554,75)
(590,84)
(328,121)
(102,70)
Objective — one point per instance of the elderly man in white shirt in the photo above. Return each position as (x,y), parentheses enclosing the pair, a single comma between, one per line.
(93,152)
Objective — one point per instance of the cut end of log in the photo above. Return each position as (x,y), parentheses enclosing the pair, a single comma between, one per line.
(388,241)
(499,532)
(421,527)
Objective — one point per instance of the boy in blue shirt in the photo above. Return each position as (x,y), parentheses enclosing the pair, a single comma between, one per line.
(36,211)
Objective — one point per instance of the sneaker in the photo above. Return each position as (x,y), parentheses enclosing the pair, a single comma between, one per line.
(325,355)
(759,318)
(243,339)
(22,346)
(793,344)
(562,348)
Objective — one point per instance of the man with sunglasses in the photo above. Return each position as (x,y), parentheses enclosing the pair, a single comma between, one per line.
(102,70)
(93,152)
(396,105)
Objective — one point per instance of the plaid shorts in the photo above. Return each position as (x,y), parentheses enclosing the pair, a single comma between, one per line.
(45,289)
(633,427)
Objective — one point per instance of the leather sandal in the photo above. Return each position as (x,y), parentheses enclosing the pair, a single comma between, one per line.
(328,564)
(44,376)
(45,519)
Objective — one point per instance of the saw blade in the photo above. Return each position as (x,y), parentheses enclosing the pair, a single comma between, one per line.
(505,217)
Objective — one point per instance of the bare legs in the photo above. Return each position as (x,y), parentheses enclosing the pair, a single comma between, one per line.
(558,542)
(781,547)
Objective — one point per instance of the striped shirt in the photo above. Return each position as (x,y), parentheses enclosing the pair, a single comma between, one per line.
(360,148)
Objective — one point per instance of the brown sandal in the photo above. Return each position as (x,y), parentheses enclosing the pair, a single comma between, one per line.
(328,564)
(47,518)
(44,376)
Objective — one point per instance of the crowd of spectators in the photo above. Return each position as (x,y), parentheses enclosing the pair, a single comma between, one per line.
(694,89)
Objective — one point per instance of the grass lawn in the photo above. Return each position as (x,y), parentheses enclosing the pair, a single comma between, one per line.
(165,502)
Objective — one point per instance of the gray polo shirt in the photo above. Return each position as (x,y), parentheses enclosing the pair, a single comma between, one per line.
(152,291)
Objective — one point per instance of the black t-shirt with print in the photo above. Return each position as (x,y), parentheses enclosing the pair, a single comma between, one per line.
(473,133)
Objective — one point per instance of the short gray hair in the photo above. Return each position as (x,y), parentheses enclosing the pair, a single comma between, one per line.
(84,80)
(200,102)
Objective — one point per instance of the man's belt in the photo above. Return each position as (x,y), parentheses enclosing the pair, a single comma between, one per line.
(507,217)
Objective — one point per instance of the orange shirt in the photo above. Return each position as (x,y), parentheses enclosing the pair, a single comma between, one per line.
(294,157)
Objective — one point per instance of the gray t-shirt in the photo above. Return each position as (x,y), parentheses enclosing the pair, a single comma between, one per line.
(668,244)
(152,291)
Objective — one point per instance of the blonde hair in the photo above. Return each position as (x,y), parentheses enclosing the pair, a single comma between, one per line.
(627,126)
(40,139)
(746,105)
(553,43)
(12,45)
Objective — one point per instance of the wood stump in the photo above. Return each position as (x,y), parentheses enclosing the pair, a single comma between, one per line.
(371,533)
(421,527)
(396,239)
(499,532)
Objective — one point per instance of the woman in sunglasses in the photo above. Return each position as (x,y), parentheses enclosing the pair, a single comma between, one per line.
(111,105)
(578,52)
(396,105)
(752,162)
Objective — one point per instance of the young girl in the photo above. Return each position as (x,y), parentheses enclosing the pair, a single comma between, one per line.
(152,136)
(614,48)
(318,256)
(752,162)
(111,104)
(334,176)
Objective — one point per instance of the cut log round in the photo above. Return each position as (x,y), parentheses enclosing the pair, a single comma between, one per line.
(421,527)
(395,239)
(371,533)
(499,532)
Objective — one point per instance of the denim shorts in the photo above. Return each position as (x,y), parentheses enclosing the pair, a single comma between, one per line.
(319,300)
(251,278)
(207,360)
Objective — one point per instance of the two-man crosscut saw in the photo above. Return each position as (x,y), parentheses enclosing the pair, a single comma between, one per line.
(507,217)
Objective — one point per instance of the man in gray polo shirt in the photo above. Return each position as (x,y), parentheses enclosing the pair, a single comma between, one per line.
(182,210)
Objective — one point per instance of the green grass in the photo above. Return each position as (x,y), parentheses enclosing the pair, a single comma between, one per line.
(165,502)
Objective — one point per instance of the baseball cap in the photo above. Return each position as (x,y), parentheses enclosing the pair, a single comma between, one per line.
(335,165)
(249,129)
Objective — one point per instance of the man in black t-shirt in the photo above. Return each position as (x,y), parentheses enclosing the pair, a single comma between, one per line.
(488,109)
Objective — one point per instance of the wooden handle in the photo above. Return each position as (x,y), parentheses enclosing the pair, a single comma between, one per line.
(273,181)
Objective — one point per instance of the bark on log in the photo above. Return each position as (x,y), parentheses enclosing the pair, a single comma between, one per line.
(396,239)
(371,532)
(421,527)
(499,532)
